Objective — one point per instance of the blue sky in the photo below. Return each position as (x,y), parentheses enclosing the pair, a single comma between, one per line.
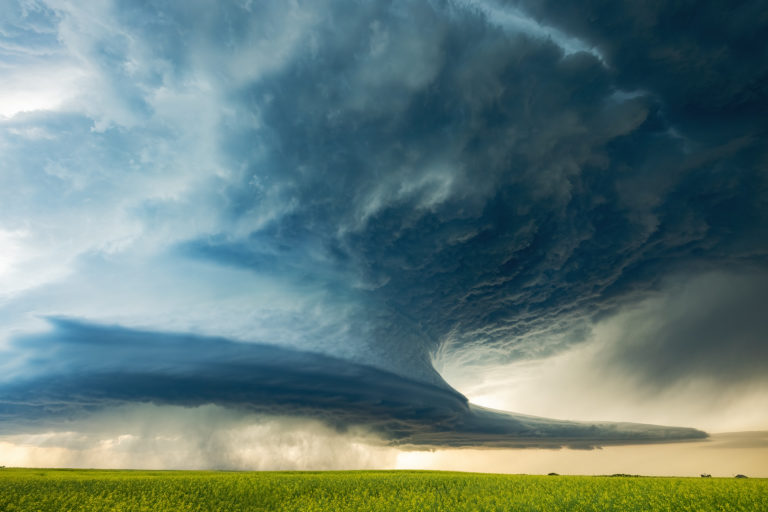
(370,215)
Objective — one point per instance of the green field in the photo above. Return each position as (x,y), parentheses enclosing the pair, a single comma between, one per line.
(63,490)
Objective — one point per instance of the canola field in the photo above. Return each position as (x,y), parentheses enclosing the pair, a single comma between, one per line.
(73,490)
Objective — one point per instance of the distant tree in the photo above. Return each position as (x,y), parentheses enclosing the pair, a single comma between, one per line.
(706,475)
(741,476)
(552,474)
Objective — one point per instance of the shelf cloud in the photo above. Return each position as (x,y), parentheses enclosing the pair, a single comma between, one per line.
(78,370)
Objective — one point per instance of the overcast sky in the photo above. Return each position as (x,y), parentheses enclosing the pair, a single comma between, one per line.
(379,227)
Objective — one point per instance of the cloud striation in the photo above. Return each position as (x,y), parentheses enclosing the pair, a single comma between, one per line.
(85,369)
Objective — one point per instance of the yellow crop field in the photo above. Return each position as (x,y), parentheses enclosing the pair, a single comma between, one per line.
(423,491)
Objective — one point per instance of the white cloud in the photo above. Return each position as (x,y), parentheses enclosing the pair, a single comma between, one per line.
(12,252)
(23,264)
(37,86)
(516,21)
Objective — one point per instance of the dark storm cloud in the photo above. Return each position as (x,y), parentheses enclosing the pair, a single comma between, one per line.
(496,190)
(443,184)
(712,328)
(706,60)
(79,369)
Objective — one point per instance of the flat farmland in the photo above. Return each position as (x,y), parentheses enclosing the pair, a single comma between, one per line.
(328,491)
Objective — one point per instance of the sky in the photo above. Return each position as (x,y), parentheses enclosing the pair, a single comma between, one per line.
(462,234)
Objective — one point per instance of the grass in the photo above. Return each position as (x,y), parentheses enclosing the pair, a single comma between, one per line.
(65,490)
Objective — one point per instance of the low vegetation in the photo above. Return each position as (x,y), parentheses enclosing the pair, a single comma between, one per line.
(156,491)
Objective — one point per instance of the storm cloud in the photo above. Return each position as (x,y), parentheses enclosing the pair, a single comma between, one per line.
(84,369)
(315,208)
